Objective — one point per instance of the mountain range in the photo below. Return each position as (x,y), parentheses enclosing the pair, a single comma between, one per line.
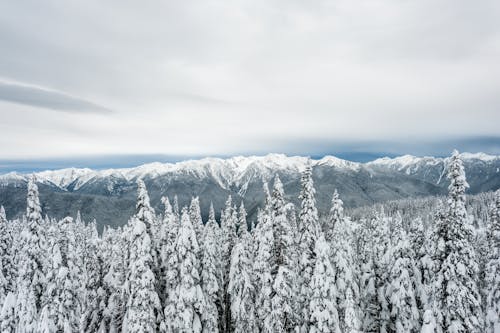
(109,195)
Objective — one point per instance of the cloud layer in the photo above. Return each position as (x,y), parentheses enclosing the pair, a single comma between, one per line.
(44,98)
(219,77)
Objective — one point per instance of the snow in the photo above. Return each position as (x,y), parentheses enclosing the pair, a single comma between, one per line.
(235,171)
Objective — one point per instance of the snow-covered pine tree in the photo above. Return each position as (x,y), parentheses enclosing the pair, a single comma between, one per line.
(30,278)
(264,260)
(169,264)
(143,301)
(95,294)
(284,297)
(190,299)
(62,307)
(309,230)
(196,220)
(211,275)
(241,287)
(242,226)
(492,271)
(143,305)
(423,266)
(336,214)
(8,314)
(322,305)
(457,277)
(401,292)
(229,221)
(7,272)
(114,281)
(344,262)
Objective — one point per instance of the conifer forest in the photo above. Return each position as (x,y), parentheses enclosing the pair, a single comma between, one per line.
(416,265)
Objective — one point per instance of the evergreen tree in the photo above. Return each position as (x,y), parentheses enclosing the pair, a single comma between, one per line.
(190,299)
(8,314)
(62,309)
(31,277)
(309,231)
(401,292)
(457,277)
(114,281)
(284,295)
(336,214)
(195,217)
(241,287)
(242,226)
(322,305)
(169,264)
(229,220)
(7,272)
(492,272)
(344,263)
(95,294)
(211,275)
(143,301)
(264,240)
(143,305)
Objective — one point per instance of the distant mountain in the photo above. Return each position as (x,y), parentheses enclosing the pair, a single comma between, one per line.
(109,195)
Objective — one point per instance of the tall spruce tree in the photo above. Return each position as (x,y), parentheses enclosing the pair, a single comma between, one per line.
(211,275)
(309,230)
(143,305)
(344,263)
(322,305)
(7,272)
(401,292)
(30,278)
(492,271)
(190,300)
(457,279)
(242,288)
(264,261)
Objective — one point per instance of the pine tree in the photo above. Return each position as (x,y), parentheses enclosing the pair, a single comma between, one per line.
(401,293)
(211,275)
(95,294)
(309,231)
(190,299)
(7,272)
(284,297)
(143,301)
(242,226)
(169,264)
(322,305)
(62,309)
(195,217)
(336,214)
(114,281)
(31,277)
(492,271)
(241,287)
(143,305)
(229,236)
(457,277)
(8,314)
(264,240)
(344,263)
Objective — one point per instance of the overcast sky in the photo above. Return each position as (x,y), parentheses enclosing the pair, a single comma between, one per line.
(213,77)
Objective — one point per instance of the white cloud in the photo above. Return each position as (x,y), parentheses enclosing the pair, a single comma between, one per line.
(222,77)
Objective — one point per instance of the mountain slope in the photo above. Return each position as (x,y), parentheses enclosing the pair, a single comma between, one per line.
(109,195)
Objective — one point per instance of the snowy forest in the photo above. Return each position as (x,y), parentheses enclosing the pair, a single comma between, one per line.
(419,265)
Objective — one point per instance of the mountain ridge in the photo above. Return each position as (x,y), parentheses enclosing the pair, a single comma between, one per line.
(109,195)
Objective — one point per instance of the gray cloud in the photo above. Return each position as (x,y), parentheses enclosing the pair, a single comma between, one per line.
(44,98)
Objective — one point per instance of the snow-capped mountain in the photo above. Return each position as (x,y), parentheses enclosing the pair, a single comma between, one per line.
(108,192)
